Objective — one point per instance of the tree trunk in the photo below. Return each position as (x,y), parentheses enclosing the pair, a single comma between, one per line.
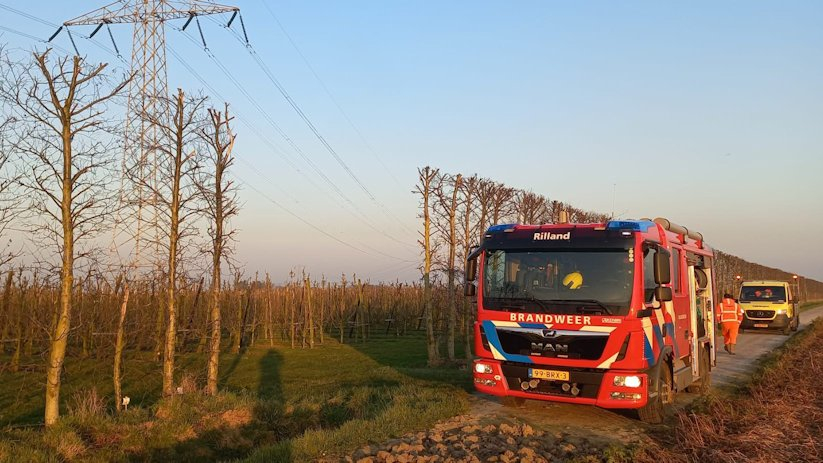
(310,312)
(118,350)
(174,236)
(60,335)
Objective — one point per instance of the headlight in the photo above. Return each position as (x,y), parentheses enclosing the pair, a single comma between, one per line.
(780,311)
(482,368)
(627,381)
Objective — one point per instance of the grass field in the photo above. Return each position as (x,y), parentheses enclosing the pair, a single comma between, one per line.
(276,404)
(809,304)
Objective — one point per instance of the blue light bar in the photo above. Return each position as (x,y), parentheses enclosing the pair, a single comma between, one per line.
(636,225)
(501,227)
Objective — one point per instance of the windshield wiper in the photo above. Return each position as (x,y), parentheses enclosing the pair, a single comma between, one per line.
(581,301)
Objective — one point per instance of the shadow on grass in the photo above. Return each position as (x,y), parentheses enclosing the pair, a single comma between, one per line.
(234,426)
(408,354)
(227,433)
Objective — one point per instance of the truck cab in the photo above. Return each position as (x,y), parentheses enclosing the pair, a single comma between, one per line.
(768,304)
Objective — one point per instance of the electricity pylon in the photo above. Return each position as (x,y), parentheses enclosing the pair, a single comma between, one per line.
(148,91)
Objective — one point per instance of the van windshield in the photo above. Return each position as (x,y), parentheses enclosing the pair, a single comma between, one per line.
(579,281)
(763,293)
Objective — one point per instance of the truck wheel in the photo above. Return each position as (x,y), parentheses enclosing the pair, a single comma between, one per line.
(512,402)
(796,322)
(703,384)
(658,407)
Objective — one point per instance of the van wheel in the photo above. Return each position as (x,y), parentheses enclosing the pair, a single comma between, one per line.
(796,322)
(513,402)
(657,408)
(787,329)
(703,384)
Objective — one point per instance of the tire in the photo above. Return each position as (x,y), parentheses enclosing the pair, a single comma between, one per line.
(657,408)
(796,322)
(702,385)
(513,402)
(787,329)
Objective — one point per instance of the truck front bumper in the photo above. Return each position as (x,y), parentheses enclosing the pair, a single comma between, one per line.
(779,322)
(602,388)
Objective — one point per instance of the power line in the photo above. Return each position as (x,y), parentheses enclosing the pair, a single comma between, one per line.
(297,109)
(301,113)
(328,92)
(203,82)
(271,122)
(362,216)
(317,228)
(245,122)
(27,15)
(31,37)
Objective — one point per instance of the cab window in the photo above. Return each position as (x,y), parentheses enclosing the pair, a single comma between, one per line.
(676,271)
(648,273)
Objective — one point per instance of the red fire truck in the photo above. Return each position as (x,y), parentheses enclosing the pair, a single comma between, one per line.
(616,315)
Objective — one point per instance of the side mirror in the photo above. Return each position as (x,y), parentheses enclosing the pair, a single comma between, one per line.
(662,269)
(471,270)
(794,300)
(663,293)
(469,290)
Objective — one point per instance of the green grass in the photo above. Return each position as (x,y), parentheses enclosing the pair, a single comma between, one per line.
(809,304)
(276,404)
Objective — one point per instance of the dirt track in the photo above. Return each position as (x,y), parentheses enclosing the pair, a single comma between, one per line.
(588,427)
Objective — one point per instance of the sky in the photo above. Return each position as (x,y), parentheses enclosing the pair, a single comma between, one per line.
(707,113)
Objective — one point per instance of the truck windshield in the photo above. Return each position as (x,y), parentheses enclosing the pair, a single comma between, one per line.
(763,293)
(559,281)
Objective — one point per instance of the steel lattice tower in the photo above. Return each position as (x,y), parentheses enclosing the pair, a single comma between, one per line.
(148,91)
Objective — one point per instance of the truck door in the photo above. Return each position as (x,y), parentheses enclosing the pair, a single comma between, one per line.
(681,303)
(694,321)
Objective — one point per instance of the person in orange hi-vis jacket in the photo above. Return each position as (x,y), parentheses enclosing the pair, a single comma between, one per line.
(729,315)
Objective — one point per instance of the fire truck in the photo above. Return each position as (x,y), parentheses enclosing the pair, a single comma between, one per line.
(618,315)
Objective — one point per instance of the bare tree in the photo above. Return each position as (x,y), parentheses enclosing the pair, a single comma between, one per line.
(118,346)
(173,191)
(220,197)
(64,147)
(427,178)
(469,228)
(446,222)
(531,208)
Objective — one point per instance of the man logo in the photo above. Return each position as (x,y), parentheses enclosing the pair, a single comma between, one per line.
(540,348)
(549,333)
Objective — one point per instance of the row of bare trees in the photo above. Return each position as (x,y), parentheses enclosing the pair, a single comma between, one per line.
(300,312)
(59,163)
(456,210)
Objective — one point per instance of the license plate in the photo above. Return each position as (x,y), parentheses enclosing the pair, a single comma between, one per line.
(761,325)
(549,374)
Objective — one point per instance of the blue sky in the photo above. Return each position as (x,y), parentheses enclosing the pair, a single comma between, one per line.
(708,113)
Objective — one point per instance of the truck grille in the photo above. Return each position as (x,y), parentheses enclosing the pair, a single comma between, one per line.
(760,314)
(586,346)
